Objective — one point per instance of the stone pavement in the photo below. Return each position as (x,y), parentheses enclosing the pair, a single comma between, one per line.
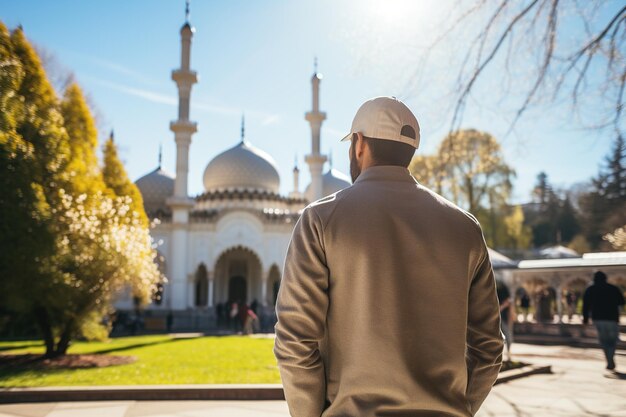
(579,386)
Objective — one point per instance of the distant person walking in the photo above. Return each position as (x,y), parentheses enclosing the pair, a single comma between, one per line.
(571,299)
(243,314)
(387,305)
(251,323)
(525,305)
(602,302)
(234,316)
(219,309)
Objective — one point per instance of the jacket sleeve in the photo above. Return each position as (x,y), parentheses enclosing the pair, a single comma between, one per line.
(484,337)
(301,309)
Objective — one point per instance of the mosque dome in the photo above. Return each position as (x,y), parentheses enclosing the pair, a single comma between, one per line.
(242,167)
(332,181)
(156,187)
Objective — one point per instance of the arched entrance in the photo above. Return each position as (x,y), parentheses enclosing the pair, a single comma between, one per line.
(201,286)
(237,288)
(238,276)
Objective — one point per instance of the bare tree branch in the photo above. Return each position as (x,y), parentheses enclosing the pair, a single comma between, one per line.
(569,55)
(463,97)
(549,39)
(619,106)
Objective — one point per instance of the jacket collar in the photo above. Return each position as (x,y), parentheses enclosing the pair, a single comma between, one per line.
(386,173)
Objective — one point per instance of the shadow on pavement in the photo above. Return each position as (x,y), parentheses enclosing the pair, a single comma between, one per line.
(616,375)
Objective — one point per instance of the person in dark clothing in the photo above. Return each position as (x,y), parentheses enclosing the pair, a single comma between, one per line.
(602,303)
(242,314)
(525,305)
(219,310)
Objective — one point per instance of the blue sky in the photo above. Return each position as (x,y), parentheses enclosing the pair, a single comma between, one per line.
(256,57)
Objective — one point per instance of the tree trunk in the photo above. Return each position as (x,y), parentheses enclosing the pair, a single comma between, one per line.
(46,330)
(469,189)
(494,225)
(66,338)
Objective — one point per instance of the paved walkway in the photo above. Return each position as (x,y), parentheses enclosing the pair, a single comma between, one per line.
(579,386)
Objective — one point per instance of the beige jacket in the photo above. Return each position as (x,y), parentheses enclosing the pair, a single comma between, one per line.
(388,305)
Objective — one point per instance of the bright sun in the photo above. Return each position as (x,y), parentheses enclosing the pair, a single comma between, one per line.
(399,12)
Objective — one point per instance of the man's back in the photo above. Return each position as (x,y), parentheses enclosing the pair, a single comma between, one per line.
(602,301)
(408,283)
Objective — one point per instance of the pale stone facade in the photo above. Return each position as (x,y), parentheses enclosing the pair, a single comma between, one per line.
(228,243)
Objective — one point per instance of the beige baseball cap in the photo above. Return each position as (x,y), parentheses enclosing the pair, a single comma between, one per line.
(386,118)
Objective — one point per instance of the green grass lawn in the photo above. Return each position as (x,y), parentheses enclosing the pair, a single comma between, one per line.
(160,360)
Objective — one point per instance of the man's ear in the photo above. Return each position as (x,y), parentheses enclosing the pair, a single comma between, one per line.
(360,144)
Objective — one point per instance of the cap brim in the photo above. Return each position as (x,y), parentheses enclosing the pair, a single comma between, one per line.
(345,138)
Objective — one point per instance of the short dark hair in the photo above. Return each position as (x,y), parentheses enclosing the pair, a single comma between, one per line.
(389,152)
(599,277)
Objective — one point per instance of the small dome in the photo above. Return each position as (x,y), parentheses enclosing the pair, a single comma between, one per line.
(156,187)
(332,181)
(242,167)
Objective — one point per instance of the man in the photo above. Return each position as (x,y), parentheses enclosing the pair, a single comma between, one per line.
(387,306)
(602,302)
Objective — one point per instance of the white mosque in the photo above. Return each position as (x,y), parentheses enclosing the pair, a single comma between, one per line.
(228,243)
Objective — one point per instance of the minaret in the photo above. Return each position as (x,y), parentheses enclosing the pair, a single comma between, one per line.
(243,128)
(183,128)
(180,202)
(296,180)
(315,119)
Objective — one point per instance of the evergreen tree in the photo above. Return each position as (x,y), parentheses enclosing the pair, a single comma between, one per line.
(567,223)
(83,167)
(542,220)
(117,181)
(42,124)
(604,206)
(542,190)
(595,211)
(555,221)
(39,126)
(66,248)
(612,182)
(24,236)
